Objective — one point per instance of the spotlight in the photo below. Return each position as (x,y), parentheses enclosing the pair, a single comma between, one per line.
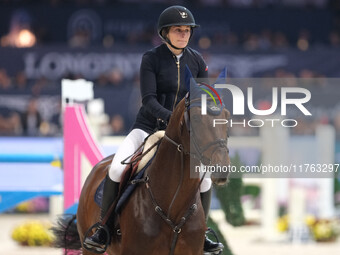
(25,39)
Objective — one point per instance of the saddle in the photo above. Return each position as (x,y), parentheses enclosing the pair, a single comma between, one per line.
(133,171)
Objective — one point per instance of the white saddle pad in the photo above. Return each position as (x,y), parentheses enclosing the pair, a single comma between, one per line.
(149,142)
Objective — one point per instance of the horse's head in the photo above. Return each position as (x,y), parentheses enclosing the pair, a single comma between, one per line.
(208,141)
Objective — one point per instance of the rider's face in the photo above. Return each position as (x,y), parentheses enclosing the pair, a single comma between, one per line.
(179,36)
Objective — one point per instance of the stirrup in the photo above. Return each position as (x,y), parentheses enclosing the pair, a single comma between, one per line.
(217,252)
(213,253)
(93,248)
(210,230)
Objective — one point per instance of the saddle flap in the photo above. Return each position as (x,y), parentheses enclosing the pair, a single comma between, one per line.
(132,171)
(129,172)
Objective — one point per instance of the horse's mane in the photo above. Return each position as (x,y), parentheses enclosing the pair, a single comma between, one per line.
(177,117)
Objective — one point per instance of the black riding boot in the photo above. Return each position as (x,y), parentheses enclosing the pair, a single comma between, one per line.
(209,246)
(99,239)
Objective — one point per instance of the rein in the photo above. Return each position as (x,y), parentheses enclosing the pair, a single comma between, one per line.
(176,228)
(125,161)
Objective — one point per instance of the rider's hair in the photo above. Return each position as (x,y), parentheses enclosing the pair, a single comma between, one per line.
(165,32)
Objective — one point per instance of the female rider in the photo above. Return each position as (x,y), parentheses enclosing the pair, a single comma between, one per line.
(162,87)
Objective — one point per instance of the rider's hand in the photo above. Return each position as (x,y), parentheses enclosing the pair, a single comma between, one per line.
(161,124)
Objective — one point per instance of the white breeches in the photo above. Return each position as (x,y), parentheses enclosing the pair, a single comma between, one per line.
(205,185)
(130,144)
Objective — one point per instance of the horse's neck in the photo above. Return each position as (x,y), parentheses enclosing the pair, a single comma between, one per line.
(167,172)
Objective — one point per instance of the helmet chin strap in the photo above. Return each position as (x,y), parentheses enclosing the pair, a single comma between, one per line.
(173,46)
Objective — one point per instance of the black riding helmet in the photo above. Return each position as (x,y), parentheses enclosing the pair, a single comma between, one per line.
(175,16)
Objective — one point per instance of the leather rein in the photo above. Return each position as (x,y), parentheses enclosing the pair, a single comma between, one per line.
(199,154)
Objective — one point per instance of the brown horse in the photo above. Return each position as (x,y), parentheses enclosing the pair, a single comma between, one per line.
(164,215)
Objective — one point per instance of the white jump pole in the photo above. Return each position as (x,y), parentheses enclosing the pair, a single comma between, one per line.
(325,139)
(275,142)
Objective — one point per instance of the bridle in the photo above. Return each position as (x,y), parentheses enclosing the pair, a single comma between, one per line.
(198,154)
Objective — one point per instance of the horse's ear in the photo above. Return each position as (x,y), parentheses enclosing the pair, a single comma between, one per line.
(221,79)
(222,76)
(188,76)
